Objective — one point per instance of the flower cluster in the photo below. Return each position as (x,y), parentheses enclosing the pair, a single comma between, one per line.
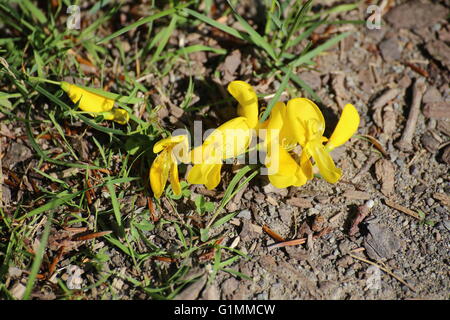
(297,124)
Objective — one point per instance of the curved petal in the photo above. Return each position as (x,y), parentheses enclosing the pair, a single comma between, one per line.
(282,168)
(345,128)
(207,174)
(306,165)
(164,143)
(87,100)
(174,181)
(213,176)
(306,120)
(248,101)
(324,162)
(159,172)
(120,116)
(274,124)
(230,139)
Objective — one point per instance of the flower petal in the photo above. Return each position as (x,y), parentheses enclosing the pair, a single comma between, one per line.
(306,165)
(207,174)
(248,101)
(345,128)
(324,162)
(306,120)
(170,141)
(87,100)
(230,139)
(282,168)
(174,181)
(159,172)
(120,116)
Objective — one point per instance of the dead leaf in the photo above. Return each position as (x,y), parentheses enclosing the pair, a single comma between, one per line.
(385,172)
(437,110)
(389,120)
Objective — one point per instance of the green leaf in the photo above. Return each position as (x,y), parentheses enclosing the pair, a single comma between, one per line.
(224,219)
(204,234)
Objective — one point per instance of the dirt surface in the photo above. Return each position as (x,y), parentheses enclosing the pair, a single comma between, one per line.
(405,230)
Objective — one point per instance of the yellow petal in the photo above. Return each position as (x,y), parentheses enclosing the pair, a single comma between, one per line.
(305,119)
(282,168)
(306,165)
(174,181)
(120,116)
(88,101)
(324,162)
(230,139)
(167,142)
(274,124)
(345,128)
(248,101)
(207,174)
(282,182)
(159,173)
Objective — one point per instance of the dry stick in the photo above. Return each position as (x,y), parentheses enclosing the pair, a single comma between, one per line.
(387,96)
(385,270)
(418,90)
(401,208)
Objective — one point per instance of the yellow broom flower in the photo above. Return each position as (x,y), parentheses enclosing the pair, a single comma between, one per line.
(308,125)
(95,103)
(165,165)
(228,141)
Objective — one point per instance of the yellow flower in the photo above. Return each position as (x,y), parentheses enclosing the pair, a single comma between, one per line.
(94,103)
(165,165)
(283,169)
(308,125)
(228,140)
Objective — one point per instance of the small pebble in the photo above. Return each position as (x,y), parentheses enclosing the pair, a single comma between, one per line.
(245,214)
(430,202)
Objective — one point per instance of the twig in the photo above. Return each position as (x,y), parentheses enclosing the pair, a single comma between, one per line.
(401,208)
(385,270)
(287,243)
(363,212)
(387,96)
(418,90)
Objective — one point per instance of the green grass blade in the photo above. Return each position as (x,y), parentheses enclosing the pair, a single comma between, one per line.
(311,54)
(277,96)
(38,257)
(142,22)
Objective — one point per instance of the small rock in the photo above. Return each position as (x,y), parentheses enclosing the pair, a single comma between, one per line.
(415,14)
(380,242)
(269,188)
(16,153)
(440,51)
(419,189)
(437,110)
(245,214)
(285,215)
(432,95)
(430,202)
(429,142)
(390,49)
(17,291)
(300,202)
